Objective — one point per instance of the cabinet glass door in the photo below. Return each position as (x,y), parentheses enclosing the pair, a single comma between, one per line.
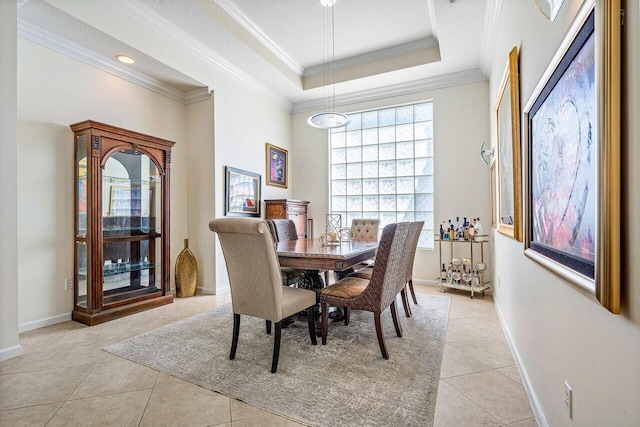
(81,219)
(131,226)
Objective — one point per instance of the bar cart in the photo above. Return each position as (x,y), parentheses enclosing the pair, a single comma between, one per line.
(465,274)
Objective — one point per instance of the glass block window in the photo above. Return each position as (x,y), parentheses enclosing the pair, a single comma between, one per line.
(381,166)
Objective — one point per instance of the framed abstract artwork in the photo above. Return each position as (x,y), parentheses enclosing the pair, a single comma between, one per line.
(509,182)
(492,195)
(242,192)
(277,166)
(572,128)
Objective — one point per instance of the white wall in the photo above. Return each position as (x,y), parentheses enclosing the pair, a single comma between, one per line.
(557,333)
(244,123)
(55,91)
(200,194)
(9,346)
(461,124)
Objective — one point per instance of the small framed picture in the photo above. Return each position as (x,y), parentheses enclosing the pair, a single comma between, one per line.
(242,191)
(277,166)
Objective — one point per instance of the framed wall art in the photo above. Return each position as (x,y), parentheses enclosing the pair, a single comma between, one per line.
(572,128)
(242,192)
(277,166)
(492,195)
(509,183)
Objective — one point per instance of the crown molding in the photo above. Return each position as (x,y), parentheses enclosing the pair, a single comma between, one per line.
(367,58)
(439,82)
(73,50)
(197,95)
(490,34)
(165,28)
(241,18)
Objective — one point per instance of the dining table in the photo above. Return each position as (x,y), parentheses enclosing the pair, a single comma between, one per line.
(313,257)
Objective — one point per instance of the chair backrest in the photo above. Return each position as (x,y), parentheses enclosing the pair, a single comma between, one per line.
(285,229)
(252,265)
(272,230)
(412,245)
(389,269)
(365,229)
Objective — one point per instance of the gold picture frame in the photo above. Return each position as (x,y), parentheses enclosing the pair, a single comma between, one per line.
(573,179)
(277,161)
(509,182)
(492,195)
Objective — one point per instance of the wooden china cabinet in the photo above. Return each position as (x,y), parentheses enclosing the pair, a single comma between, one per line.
(295,210)
(121,222)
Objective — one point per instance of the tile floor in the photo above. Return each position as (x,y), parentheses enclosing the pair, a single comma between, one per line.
(63,378)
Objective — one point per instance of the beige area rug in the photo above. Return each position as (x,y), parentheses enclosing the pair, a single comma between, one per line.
(343,383)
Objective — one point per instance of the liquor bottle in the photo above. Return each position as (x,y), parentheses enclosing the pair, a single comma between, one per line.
(452,233)
(443,274)
(479,228)
(441,233)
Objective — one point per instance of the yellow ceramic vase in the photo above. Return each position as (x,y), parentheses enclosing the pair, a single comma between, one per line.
(186,272)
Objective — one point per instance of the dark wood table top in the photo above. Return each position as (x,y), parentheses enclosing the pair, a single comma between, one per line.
(309,254)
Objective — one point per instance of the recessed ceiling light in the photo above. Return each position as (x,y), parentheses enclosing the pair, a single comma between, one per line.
(126,59)
(327,3)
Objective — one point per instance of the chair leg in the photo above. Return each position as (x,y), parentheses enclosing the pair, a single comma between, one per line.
(347,315)
(236,333)
(276,347)
(325,322)
(396,320)
(405,302)
(268,326)
(311,319)
(413,293)
(383,347)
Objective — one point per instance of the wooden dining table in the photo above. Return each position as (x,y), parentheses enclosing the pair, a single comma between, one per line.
(312,257)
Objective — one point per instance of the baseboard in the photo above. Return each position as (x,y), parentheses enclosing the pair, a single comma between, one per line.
(209,291)
(41,323)
(533,398)
(8,353)
(426,282)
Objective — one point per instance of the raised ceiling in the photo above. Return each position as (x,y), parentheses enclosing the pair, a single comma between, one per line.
(283,48)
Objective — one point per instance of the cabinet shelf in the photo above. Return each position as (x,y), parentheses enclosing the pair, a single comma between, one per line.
(125,268)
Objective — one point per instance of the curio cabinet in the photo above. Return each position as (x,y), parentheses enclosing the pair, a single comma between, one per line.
(121,222)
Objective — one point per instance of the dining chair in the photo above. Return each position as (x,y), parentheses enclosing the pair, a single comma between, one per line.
(362,230)
(408,260)
(256,281)
(377,294)
(285,229)
(414,237)
(290,276)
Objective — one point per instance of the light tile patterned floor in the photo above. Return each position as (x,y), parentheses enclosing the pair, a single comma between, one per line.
(63,378)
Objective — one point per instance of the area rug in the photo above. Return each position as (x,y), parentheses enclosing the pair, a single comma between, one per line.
(343,383)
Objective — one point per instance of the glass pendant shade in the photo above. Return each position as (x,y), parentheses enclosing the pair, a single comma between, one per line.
(328,120)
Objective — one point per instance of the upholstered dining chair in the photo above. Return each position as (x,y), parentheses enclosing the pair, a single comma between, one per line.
(377,294)
(408,259)
(255,279)
(362,230)
(365,229)
(285,229)
(290,276)
(414,237)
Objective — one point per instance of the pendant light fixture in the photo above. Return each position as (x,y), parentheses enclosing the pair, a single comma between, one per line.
(329,119)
